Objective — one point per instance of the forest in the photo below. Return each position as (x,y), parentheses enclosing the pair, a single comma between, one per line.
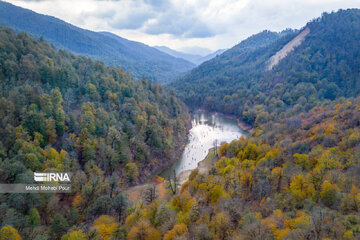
(295,175)
(297,178)
(60,112)
(324,67)
(139,59)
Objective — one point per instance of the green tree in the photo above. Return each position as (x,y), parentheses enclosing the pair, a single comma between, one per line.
(329,194)
(131,172)
(34,217)
(58,226)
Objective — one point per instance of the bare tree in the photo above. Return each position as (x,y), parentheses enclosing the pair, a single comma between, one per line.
(215,144)
(150,194)
(173,183)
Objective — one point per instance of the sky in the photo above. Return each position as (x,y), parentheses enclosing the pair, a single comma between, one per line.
(196,26)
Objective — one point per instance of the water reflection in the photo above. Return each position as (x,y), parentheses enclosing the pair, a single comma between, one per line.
(207,131)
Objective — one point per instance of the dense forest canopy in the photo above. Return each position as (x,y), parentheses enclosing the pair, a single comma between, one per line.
(323,67)
(60,112)
(297,178)
(297,174)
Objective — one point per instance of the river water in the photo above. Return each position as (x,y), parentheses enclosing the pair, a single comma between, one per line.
(207,130)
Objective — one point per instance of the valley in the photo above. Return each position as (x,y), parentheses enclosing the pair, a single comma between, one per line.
(209,130)
(262,141)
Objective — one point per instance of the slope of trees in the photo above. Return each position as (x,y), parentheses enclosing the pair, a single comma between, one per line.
(297,178)
(60,112)
(297,174)
(141,60)
(323,67)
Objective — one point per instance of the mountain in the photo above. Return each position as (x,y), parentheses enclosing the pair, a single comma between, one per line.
(210,56)
(63,113)
(187,56)
(212,80)
(286,69)
(138,58)
(296,174)
(194,58)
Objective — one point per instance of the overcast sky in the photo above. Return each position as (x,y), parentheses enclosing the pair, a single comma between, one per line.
(184,24)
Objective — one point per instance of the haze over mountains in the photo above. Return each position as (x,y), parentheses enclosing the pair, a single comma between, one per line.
(194,58)
(138,58)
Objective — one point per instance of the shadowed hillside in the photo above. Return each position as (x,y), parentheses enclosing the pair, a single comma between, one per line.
(138,58)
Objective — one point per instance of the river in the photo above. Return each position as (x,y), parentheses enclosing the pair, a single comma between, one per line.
(207,130)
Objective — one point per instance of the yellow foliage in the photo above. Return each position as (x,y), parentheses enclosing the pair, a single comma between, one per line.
(183,217)
(216,193)
(74,235)
(9,233)
(348,235)
(106,226)
(185,186)
(301,189)
(143,231)
(327,161)
(132,219)
(277,172)
(330,128)
(301,221)
(203,186)
(281,233)
(329,193)
(258,215)
(272,153)
(77,200)
(177,231)
(246,180)
(302,160)
(354,197)
(150,211)
(221,164)
(222,149)
(269,223)
(273,222)
(181,202)
(247,164)
(251,152)
(316,177)
(221,225)
(278,214)
(354,138)
(189,204)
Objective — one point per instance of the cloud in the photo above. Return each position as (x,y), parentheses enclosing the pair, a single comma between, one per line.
(178,24)
(158,17)
(173,23)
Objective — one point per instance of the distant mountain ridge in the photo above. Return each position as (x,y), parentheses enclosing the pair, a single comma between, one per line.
(141,60)
(287,69)
(194,58)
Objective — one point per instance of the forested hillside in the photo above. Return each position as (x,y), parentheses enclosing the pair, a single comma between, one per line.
(60,112)
(292,179)
(295,175)
(324,66)
(141,60)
